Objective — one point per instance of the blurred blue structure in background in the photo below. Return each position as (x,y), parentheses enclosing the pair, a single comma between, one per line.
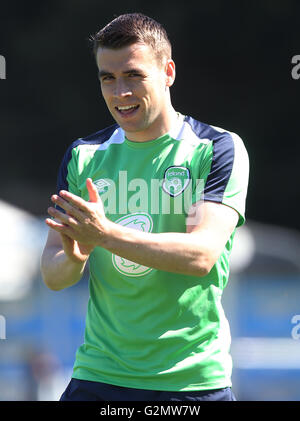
(261,301)
(43,328)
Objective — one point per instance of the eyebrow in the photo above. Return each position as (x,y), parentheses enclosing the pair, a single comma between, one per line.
(103,73)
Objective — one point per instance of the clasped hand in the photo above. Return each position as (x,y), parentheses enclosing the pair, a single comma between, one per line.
(83,222)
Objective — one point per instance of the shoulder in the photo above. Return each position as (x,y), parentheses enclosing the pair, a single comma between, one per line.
(90,143)
(96,138)
(211,133)
(217,139)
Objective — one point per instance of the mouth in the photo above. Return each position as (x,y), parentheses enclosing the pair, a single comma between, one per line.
(126,110)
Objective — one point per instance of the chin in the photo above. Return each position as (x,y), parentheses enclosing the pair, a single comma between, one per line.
(130,127)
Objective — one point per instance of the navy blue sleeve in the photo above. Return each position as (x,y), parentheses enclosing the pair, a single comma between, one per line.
(221,168)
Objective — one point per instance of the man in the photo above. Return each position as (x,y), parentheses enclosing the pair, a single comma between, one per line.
(153,202)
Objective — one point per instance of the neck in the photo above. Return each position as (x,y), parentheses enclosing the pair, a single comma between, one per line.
(161,126)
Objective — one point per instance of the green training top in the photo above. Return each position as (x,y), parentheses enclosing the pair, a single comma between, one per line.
(147,328)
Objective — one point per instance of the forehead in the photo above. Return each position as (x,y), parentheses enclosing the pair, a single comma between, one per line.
(132,56)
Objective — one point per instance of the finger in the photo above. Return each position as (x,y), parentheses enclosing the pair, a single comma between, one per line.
(68,207)
(59,227)
(63,217)
(67,242)
(93,192)
(73,200)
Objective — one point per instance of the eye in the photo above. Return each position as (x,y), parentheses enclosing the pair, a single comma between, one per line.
(106,78)
(134,74)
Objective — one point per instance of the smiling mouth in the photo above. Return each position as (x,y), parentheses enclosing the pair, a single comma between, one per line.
(126,110)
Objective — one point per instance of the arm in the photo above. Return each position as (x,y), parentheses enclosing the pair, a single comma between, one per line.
(191,253)
(63,261)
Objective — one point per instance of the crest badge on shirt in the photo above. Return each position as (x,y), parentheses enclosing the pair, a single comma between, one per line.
(176,180)
(141,221)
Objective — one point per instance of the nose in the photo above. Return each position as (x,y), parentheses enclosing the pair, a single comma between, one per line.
(122,89)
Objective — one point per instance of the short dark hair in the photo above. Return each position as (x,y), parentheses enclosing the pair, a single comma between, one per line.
(132,28)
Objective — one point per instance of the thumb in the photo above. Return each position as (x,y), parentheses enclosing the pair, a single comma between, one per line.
(93,192)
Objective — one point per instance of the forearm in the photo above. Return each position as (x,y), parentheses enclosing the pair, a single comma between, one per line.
(59,271)
(173,252)
(191,253)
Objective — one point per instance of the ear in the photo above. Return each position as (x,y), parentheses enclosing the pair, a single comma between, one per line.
(170,72)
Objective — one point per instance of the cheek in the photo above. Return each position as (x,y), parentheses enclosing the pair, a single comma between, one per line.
(158,95)
(159,87)
(155,90)
(105,90)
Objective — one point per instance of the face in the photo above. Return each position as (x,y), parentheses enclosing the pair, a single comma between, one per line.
(135,86)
